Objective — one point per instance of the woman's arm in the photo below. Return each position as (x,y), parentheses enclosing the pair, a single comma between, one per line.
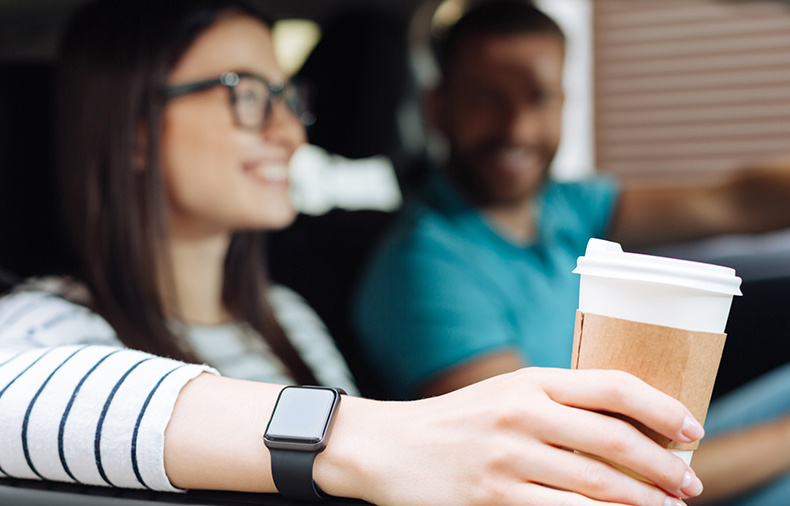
(94,415)
(503,440)
(103,415)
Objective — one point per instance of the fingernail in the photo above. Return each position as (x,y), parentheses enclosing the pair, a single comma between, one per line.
(673,501)
(691,486)
(692,430)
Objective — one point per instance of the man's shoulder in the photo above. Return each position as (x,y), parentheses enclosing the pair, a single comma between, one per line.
(575,188)
(437,215)
(589,195)
(423,229)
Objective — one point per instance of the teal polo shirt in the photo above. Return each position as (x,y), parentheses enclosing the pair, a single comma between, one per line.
(444,287)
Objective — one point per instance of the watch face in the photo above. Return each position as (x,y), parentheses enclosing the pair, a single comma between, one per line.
(301,416)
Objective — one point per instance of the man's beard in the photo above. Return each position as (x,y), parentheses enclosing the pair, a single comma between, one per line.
(482,191)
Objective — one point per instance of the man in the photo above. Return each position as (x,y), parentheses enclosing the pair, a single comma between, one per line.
(475,277)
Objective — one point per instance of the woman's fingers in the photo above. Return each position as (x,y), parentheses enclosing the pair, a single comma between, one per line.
(570,398)
(539,495)
(619,442)
(601,480)
(620,392)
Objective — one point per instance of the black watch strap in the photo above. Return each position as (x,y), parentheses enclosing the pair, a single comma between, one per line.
(293,474)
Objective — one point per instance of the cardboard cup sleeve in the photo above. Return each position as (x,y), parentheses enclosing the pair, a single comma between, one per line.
(680,363)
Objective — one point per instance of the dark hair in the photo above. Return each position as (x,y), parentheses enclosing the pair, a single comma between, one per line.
(494,18)
(116,56)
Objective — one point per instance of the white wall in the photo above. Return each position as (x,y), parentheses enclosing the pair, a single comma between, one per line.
(576,156)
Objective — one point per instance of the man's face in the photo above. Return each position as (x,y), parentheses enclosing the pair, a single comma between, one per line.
(501,111)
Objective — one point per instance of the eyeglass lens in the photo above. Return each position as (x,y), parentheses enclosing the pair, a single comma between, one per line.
(253,99)
(252,102)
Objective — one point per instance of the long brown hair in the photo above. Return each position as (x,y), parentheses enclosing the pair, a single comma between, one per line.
(116,56)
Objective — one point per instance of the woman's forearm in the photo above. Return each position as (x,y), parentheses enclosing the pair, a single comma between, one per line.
(501,440)
(214,438)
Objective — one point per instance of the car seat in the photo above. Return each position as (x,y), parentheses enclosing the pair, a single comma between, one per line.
(31,237)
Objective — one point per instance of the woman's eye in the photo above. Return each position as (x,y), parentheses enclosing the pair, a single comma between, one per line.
(249,97)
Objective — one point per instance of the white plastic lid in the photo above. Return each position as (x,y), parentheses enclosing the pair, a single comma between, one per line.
(607,259)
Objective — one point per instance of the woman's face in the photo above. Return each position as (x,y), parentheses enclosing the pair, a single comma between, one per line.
(221,178)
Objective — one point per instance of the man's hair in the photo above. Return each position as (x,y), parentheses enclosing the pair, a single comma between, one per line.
(495,18)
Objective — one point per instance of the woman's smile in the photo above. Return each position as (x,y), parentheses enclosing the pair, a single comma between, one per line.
(268,172)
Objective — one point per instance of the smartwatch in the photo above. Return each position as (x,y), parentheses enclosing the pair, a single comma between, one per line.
(297,431)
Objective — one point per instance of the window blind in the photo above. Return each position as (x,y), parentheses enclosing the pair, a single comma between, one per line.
(690,86)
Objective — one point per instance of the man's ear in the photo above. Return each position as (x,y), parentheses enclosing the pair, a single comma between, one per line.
(140,150)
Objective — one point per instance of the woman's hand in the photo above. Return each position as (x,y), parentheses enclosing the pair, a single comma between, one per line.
(506,440)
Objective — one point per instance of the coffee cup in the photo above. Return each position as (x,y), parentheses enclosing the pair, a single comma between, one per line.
(661,319)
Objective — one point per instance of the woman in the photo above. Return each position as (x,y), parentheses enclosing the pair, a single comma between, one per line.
(178,127)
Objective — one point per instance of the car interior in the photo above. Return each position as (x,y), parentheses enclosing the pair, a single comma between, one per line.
(365,63)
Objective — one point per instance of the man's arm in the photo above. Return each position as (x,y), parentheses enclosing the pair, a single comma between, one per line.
(751,200)
(743,460)
(472,371)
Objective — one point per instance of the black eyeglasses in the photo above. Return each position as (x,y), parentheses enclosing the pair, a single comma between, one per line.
(252,97)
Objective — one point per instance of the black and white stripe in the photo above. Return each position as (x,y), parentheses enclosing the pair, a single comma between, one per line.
(11,382)
(136,433)
(37,318)
(26,420)
(62,426)
(88,414)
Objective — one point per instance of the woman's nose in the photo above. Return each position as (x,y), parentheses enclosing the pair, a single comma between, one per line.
(284,127)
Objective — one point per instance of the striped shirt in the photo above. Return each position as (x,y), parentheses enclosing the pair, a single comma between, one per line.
(77,406)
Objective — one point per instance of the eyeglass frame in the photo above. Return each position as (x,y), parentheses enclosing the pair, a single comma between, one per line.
(230,79)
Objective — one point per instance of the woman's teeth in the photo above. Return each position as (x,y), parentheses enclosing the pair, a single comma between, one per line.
(273,173)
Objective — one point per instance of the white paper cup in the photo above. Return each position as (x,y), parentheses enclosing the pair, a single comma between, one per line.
(655,290)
